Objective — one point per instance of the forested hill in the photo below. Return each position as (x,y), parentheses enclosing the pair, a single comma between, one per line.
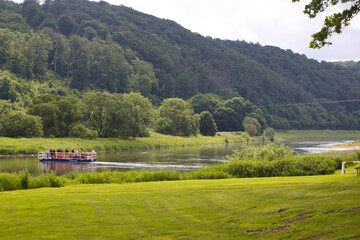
(89,45)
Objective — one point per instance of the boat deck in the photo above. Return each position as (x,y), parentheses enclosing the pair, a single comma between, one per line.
(67,156)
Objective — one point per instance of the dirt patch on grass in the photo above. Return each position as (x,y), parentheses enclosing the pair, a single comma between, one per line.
(352,210)
(282,228)
(297,219)
(278,211)
(317,236)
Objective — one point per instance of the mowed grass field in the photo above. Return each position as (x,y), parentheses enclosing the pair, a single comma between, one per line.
(314,207)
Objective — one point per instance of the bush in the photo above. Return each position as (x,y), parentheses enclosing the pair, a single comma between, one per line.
(207,124)
(176,117)
(250,129)
(267,152)
(79,130)
(253,121)
(269,133)
(20,124)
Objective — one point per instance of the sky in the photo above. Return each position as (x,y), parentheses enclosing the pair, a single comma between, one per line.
(278,23)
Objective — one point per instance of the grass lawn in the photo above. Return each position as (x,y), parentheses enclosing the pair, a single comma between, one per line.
(315,207)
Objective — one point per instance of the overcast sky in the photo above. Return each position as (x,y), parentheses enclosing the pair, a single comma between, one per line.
(269,22)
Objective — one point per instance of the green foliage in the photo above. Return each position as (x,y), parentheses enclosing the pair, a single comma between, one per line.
(176,117)
(295,166)
(207,124)
(250,129)
(80,131)
(20,124)
(269,133)
(334,23)
(267,152)
(250,122)
(84,45)
(117,115)
(205,102)
(57,113)
(24,180)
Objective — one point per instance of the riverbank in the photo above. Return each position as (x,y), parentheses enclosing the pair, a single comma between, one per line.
(316,134)
(30,146)
(347,146)
(253,208)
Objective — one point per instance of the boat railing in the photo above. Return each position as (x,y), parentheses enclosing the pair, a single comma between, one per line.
(67,155)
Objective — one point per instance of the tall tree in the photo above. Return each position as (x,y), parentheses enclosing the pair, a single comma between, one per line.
(177,118)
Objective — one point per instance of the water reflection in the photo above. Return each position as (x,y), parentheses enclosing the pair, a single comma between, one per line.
(65,167)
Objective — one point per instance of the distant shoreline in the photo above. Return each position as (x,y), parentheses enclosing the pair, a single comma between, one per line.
(347,146)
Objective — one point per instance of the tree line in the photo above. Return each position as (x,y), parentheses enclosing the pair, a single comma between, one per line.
(72,47)
(127,115)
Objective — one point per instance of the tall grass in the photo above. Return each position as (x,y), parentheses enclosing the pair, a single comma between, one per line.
(24,180)
(294,166)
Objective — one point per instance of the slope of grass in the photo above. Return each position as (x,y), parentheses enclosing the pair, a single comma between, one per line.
(316,207)
(9,146)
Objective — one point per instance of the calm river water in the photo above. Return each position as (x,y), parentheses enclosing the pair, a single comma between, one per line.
(184,158)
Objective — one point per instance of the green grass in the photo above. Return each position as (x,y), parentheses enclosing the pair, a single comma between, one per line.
(321,207)
(11,146)
(302,134)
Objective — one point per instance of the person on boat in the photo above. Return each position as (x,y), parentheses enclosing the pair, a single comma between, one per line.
(67,150)
(47,153)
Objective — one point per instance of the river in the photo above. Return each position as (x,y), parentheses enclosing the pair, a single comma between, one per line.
(183,158)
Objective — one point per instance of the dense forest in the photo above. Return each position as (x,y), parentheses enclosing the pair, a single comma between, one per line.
(64,53)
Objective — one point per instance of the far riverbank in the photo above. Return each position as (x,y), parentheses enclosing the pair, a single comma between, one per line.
(30,146)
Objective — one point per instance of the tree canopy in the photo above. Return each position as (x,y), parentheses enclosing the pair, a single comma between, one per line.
(69,48)
(334,23)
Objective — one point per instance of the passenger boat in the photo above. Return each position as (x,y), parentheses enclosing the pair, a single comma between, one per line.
(67,156)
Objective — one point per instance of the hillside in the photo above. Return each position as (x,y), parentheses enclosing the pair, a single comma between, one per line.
(89,45)
(351,65)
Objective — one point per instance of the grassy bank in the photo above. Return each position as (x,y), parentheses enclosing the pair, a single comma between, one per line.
(11,146)
(303,134)
(316,207)
(260,166)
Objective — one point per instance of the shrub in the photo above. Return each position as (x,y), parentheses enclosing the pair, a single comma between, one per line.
(266,152)
(207,124)
(254,121)
(269,133)
(79,130)
(250,129)
(20,124)
(176,117)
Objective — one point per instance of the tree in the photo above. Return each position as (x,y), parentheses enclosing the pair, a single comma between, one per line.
(252,121)
(20,124)
(176,117)
(269,133)
(225,119)
(334,23)
(117,115)
(57,113)
(205,102)
(250,129)
(207,124)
